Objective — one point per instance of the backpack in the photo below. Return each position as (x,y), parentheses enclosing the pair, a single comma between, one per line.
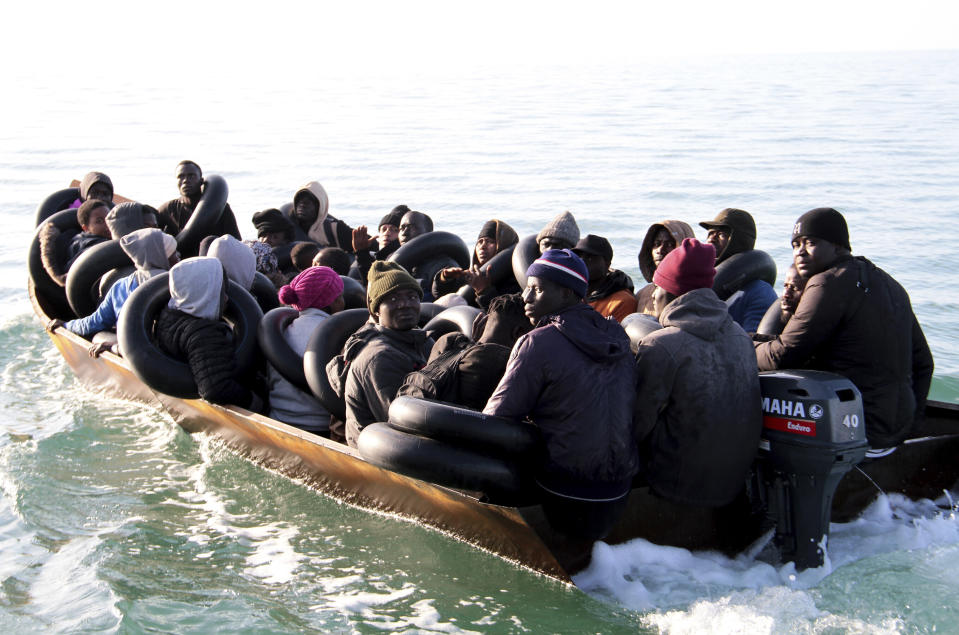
(437,380)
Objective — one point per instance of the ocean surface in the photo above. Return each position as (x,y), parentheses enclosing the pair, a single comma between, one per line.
(112,519)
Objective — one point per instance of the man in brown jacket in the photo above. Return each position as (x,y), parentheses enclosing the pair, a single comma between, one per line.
(854,319)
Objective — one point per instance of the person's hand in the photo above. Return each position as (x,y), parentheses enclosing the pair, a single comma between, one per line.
(100,348)
(479,280)
(453,273)
(361,239)
(54,324)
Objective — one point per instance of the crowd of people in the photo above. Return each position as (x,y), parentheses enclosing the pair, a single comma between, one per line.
(680,411)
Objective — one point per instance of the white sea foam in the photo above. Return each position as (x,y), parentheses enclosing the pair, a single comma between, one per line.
(643,576)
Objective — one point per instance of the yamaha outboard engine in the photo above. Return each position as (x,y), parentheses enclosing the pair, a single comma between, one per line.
(813,434)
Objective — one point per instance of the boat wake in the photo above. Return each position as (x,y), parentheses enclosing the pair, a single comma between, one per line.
(683,588)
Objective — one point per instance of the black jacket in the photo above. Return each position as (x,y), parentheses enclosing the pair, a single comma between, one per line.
(207,345)
(854,319)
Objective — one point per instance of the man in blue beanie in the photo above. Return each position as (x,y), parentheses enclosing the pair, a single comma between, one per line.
(572,376)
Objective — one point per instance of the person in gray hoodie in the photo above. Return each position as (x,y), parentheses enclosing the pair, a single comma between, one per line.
(697,417)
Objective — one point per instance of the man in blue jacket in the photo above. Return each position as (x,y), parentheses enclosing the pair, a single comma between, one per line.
(573,377)
(732,232)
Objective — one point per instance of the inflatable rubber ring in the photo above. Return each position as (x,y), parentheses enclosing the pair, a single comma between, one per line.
(265,292)
(269,335)
(203,221)
(430,245)
(638,326)
(83,279)
(526,251)
(54,296)
(430,460)
(354,294)
(56,202)
(772,322)
(326,343)
(740,269)
(462,427)
(166,374)
(111,277)
(428,311)
(456,318)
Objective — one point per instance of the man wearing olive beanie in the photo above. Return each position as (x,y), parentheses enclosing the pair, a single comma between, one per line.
(573,377)
(377,358)
(697,417)
(856,320)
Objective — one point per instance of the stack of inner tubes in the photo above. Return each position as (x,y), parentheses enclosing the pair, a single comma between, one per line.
(455,447)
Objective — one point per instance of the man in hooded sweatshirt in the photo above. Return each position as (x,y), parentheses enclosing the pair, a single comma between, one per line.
(174,214)
(697,417)
(152,252)
(378,357)
(610,290)
(95,185)
(661,238)
(494,237)
(854,319)
(732,232)
(572,376)
(190,328)
(311,219)
(126,218)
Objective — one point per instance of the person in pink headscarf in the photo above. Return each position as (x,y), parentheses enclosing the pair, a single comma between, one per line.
(316,293)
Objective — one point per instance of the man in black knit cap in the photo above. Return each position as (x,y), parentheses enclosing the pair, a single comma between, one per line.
(854,319)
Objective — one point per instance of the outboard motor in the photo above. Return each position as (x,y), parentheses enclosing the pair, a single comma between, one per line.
(813,434)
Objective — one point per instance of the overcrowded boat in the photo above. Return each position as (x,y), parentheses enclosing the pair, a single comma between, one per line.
(809,469)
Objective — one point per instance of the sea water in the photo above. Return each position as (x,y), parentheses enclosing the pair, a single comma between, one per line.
(113,519)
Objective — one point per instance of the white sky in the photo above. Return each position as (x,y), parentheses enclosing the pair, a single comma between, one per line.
(304,37)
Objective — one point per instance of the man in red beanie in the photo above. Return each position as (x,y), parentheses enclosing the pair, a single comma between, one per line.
(697,414)
(856,320)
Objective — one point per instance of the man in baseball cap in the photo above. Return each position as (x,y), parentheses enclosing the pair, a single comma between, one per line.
(610,291)
(573,377)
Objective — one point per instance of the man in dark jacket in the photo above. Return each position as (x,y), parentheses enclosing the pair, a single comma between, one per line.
(573,377)
(732,232)
(369,249)
(413,225)
(377,358)
(173,215)
(856,320)
(610,290)
(697,416)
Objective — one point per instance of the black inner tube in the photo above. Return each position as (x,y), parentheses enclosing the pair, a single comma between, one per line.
(772,322)
(463,427)
(54,297)
(503,481)
(526,251)
(59,200)
(430,245)
(83,279)
(203,221)
(166,374)
(499,268)
(740,269)
(265,292)
(326,343)
(269,335)
(456,318)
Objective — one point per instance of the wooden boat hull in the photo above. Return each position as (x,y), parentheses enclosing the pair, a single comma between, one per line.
(922,468)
